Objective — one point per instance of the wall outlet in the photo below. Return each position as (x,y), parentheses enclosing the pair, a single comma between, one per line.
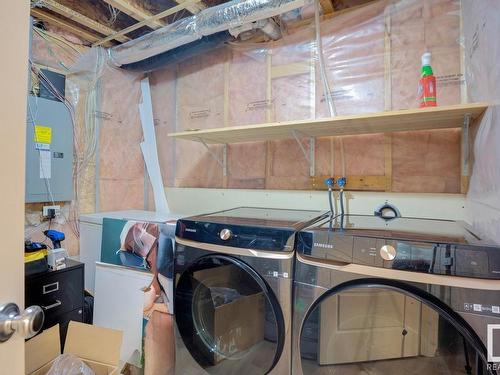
(45,210)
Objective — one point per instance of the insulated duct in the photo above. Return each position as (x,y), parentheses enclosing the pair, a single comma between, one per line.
(210,21)
(179,54)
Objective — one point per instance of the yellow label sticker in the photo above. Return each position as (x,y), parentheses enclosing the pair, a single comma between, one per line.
(43,134)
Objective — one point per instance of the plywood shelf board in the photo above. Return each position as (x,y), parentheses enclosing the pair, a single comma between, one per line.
(383,122)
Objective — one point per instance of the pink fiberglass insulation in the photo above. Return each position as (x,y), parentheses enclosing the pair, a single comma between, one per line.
(251,84)
(247,165)
(291,98)
(247,86)
(426,162)
(164,111)
(200,105)
(121,166)
(353,49)
(288,167)
(425,26)
(247,81)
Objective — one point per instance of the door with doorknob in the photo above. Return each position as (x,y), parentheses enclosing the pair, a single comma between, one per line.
(13,100)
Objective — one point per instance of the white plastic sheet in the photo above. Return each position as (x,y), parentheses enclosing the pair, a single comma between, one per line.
(481,30)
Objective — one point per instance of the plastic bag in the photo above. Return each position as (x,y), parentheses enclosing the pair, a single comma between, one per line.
(69,364)
(222,296)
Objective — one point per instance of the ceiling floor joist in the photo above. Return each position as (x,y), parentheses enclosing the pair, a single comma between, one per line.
(81,19)
(64,25)
(135,11)
(158,16)
(193,8)
(327,6)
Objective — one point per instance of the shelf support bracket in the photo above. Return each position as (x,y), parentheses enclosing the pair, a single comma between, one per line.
(222,162)
(465,154)
(309,156)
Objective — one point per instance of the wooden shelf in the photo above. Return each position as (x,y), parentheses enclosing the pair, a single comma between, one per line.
(383,122)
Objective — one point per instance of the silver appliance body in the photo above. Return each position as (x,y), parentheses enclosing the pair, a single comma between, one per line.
(233,291)
(403,296)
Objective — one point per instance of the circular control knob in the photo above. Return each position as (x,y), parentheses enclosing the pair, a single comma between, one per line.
(388,252)
(225,234)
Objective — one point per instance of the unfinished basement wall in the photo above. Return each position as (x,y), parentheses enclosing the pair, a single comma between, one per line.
(121,165)
(58,51)
(109,169)
(481,31)
(372,57)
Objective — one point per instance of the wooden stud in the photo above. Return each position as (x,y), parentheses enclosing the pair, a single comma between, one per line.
(269,145)
(332,156)
(465,155)
(225,180)
(312,81)
(304,23)
(463,86)
(464,184)
(387,96)
(193,8)
(142,23)
(134,10)
(327,6)
(292,69)
(387,59)
(370,183)
(388,161)
(66,26)
(81,19)
(226,91)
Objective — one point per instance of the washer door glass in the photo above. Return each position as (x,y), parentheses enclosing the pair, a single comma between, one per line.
(376,330)
(228,318)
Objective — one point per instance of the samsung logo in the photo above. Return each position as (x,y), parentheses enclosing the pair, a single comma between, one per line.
(191,230)
(323,245)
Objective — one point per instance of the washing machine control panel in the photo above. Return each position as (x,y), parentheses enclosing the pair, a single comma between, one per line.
(405,255)
(387,252)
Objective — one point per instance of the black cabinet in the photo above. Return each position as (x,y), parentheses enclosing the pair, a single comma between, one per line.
(59,293)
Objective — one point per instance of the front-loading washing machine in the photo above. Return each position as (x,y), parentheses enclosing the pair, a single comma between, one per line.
(400,296)
(233,290)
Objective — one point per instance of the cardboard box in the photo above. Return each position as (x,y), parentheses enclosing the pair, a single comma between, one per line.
(238,325)
(98,347)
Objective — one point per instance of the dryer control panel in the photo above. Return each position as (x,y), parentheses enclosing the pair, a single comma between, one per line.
(253,228)
(236,236)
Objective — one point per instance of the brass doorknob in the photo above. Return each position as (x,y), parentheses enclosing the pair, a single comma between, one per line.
(27,323)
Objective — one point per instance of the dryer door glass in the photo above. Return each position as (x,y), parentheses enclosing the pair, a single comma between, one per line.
(228,318)
(375,330)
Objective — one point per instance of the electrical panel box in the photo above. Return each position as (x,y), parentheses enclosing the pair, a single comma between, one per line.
(49,151)
(57,80)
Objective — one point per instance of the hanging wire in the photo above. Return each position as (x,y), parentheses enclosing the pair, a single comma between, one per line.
(113,15)
(324,80)
(84,136)
(321,60)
